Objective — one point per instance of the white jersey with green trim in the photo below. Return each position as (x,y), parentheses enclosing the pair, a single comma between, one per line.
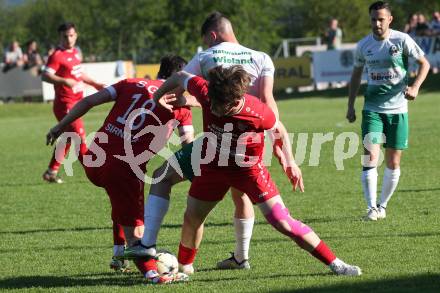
(386,62)
(257,64)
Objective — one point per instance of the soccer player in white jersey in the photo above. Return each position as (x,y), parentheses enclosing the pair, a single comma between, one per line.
(385,54)
(224,49)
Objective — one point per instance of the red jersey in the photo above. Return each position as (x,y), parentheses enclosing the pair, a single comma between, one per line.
(239,139)
(132,95)
(66,64)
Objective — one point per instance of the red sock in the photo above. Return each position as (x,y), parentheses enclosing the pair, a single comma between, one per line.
(186,255)
(83,148)
(146,265)
(118,234)
(323,253)
(58,156)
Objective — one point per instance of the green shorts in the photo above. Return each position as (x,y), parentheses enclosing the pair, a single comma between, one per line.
(183,157)
(394,127)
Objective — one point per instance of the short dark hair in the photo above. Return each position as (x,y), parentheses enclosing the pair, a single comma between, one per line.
(66,26)
(227,85)
(170,64)
(379,5)
(212,21)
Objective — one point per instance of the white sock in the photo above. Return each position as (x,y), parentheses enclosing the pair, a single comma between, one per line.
(390,181)
(118,250)
(156,208)
(337,262)
(187,269)
(52,171)
(243,234)
(369,185)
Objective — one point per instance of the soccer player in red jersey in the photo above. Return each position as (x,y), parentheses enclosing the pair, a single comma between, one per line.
(234,125)
(133,132)
(63,70)
(224,49)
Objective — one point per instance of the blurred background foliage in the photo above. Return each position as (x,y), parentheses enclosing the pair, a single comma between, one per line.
(144,30)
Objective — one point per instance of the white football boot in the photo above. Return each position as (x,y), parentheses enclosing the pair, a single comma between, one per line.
(186,269)
(341,268)
(372,215)
(381,212)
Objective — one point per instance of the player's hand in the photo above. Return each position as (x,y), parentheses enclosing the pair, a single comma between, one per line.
(411,93)
(70,82)
(294,174)
(99,86)
(167,100)
(52,135)
(351,115)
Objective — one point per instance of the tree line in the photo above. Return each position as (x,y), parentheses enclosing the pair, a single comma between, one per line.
(144,30)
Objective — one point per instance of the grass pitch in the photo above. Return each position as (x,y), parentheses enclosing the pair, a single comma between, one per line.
(58,238)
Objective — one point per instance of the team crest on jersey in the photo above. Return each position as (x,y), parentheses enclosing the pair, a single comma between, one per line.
(394,50)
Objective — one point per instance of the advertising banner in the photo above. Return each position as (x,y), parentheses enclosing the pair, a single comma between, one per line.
(292,72)
(333,66)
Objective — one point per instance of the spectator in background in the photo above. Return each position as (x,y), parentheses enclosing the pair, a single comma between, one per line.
(422,28)
(411,25)
(333,35)
(31,57)
(147,77)
(435,23)
(13,56)
(49,52)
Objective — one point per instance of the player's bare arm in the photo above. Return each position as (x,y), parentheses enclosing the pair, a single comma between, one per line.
(189,100)
(353,90)
(266,94)
(88,80)
(81,108)
(174,81)
(282,150)
(183,98)
(55,79)
(167,100)
(280,138)
(413,90)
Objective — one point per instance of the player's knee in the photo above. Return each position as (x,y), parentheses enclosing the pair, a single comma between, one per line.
(393,163)
(166,175)
(280,218)
(243,210)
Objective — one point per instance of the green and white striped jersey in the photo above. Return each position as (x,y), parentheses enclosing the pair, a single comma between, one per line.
(386,62)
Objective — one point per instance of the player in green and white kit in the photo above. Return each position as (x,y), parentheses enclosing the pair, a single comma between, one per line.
(385,55)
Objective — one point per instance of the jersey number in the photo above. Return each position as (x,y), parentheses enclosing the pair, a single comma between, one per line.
(148,103)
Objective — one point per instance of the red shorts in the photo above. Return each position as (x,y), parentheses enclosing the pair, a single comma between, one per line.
(213,183)
(61,109)
(125,190)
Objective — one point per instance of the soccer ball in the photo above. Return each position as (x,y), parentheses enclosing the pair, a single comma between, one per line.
(166,262)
